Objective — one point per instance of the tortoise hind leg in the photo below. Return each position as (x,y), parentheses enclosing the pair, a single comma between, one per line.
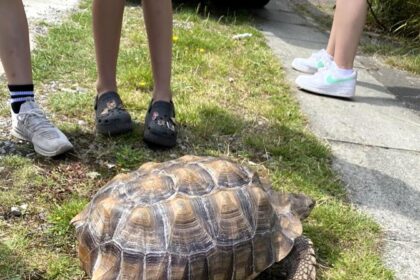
(300,264)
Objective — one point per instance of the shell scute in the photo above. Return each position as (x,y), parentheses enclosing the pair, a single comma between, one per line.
(230,223)
(157,266)
(282,245)
(108,262)
(263,251)
(150,189)
(104,218)
(264,212)
(179,267)
(220,264)
(139,231)
(132,266)
(244,262)
(226,173)
(87,250)
(187,232)
(191,179)
(148,167)
(198,265)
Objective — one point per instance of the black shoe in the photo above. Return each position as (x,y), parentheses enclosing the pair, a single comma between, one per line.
(111,116)
(160,128)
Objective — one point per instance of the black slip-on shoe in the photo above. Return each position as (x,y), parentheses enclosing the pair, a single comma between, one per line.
(111,116)
(160,128)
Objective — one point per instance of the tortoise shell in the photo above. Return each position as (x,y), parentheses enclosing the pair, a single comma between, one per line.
(190,218)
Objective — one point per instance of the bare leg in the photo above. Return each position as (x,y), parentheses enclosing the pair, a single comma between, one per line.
(158,18)
(331,41)
(107,23)
(14,43)
(350,17)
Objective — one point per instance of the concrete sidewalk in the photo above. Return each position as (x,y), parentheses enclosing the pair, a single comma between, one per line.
(375,138)
(50,11)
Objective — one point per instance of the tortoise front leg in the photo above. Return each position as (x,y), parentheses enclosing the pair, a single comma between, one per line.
(300,264)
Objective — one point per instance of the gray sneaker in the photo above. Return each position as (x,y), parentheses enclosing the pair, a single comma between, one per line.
(32,125)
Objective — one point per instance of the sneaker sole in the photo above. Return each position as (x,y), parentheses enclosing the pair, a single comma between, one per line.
(61,150)
(318,91)
(303,69)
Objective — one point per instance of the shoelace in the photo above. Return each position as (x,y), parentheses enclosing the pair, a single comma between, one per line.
(35,120)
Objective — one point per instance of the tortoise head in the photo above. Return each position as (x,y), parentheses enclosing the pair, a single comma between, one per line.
(300,204)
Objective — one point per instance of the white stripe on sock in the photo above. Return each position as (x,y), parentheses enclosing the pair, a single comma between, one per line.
(20,93)
(21,99)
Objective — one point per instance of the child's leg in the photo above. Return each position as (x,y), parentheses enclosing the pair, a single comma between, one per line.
(350,17)
(14,43)
(158,18)
(15,55)
(160,128)
(111,116)
(107,23)
(331,40)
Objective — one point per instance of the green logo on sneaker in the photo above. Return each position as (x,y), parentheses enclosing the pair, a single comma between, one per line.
(320,65)
(332,80)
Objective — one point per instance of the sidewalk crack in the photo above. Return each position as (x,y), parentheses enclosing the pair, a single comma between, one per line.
(370,145)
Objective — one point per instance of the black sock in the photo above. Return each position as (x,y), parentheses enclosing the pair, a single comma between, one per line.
(19,94)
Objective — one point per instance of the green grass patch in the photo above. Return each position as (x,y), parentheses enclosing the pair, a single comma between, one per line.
(61,216)
(60,103)
(232,100)
(398,53)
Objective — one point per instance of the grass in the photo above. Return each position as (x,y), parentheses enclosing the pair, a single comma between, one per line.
(232,100)
(397,52)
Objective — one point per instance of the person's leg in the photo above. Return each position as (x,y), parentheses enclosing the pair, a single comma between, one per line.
(339,78)
(158,19)
(14,43)
(107,23)
(350,17)
(28,121)
(331,40)
(111,116)
(160,127)
(107,31)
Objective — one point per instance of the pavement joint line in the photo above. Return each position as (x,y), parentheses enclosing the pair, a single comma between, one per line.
(401,241)
(370,145)
(297,24)
(286,11)
(294,39)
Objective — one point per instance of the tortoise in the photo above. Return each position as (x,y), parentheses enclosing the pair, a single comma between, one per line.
(194,218)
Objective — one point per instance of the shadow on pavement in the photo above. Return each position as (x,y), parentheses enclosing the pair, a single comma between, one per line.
(373,189)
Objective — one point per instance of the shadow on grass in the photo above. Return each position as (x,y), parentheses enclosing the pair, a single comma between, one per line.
(212,130)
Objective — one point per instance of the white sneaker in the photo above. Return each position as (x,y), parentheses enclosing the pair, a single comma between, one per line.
(32,125)
(312,64)
(326,82)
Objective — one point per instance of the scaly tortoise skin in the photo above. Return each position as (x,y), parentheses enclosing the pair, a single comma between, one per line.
(192,218)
